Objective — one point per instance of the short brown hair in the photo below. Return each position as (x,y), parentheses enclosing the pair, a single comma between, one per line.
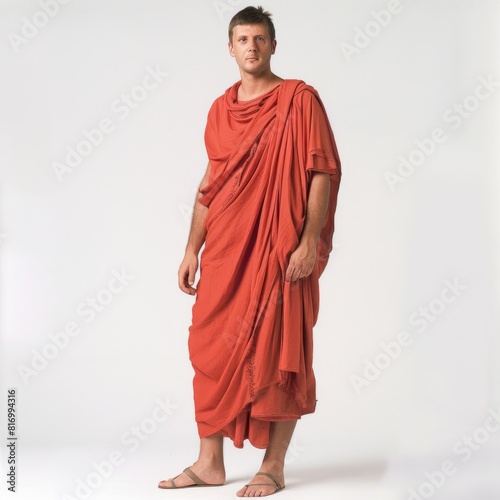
(252,15)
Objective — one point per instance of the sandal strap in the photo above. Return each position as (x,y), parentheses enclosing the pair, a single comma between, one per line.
(277,485)
(262,484)
(193,476)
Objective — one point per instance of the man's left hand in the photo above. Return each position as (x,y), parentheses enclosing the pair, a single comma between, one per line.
(301,263)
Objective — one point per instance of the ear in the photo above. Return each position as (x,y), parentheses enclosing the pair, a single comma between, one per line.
(231,49)
(273,46)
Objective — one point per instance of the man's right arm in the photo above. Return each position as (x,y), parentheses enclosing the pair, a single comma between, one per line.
(197,234)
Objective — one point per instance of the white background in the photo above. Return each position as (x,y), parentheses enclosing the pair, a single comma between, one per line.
(126,207)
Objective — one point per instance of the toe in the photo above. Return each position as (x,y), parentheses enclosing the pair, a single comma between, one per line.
(259,491)
(181,480)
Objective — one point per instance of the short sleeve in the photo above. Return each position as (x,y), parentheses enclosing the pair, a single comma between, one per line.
(315,132)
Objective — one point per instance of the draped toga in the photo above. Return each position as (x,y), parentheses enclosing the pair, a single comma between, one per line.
(250,341)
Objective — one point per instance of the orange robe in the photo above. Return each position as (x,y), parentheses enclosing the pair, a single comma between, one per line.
(250,341)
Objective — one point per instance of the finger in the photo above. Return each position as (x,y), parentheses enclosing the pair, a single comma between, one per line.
(192,289)
(293,275)
(189,290)
(180,282)
(191,275)
(183,284)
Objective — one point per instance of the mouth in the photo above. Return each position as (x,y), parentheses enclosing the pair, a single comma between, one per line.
(251,58)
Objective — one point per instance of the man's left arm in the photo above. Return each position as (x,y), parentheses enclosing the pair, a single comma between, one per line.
(303,258)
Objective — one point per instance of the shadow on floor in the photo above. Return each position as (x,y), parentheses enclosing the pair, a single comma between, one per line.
(322,473)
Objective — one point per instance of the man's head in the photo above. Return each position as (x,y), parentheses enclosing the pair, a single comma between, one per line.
(252,15)
(252,41)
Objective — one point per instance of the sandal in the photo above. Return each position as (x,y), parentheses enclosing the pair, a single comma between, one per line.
(193,476)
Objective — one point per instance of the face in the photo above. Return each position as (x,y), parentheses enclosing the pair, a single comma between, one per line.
(252,48)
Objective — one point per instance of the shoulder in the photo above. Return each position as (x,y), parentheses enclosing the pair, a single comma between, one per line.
(223,101)
(229,94)
(300,89)
(303,96)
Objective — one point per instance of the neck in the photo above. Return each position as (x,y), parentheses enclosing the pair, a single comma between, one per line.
(253,86)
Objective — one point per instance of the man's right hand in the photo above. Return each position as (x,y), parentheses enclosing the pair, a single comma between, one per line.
(187,272)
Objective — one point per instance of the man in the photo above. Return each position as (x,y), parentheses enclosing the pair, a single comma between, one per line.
(265,213)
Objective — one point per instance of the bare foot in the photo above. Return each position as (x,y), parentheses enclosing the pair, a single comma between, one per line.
(210,473)
(263,486)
